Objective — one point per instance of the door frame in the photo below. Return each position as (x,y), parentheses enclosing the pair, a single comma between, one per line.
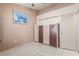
(75,13)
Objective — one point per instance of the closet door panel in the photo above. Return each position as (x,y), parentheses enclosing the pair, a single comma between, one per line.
(68,31)
(78,33)
(46,34)
(41,34)
(53,35)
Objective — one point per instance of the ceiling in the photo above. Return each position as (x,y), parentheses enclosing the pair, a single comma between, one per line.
(37,6)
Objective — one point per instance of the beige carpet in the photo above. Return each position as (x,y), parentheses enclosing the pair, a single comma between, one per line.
(37,49)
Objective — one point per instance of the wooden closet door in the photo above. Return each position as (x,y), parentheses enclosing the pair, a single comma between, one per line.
(41,34)
(46,34)
(53,36)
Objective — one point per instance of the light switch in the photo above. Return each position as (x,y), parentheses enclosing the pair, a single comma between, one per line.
(14,41)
